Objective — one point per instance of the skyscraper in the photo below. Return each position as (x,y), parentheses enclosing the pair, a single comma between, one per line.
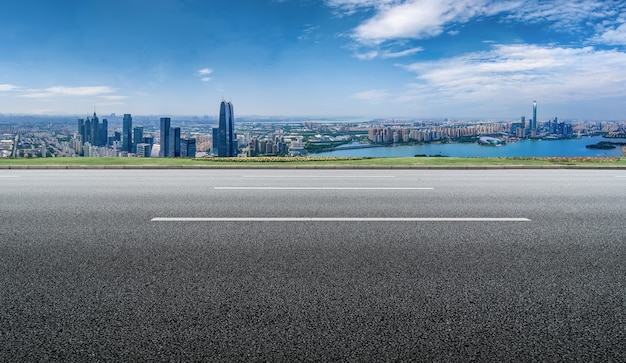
(165,137)
(226,140)
(104,133)
(137,137)
(188,148)
(216,137)
(533,125)
(95,131)
(127,135)
(174,142)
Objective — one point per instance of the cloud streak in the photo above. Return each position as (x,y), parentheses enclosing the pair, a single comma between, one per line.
(203,74)
(61,91)
(7,87)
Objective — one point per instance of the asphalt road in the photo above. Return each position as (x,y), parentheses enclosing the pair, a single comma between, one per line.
(88,274)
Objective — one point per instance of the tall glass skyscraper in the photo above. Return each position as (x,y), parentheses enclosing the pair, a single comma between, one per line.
(137,137)
(533,125)
(226,142)
(127,133)
(165,137)
(174,143)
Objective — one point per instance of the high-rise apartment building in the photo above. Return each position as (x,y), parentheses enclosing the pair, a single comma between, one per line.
(226,146)
(127,136)
(165,137)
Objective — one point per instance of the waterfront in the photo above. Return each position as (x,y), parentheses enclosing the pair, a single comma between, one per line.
(522,148)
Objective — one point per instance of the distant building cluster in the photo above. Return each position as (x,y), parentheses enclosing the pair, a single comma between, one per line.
(268,147)
(395,134)
(92,139)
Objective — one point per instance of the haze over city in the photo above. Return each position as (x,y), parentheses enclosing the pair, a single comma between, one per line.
(361,58)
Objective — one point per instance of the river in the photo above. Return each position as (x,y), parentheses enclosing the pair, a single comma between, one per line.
(523,148)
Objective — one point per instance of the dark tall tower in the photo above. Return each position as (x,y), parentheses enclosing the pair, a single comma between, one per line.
(174,142)
(104,132)
(87,137)
(165,137)
(533,125)
(226,140)
(95,131)
(127,136)
(216,137)
(81,130)
(137,137)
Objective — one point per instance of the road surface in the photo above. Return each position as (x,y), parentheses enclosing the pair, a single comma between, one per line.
(325,265)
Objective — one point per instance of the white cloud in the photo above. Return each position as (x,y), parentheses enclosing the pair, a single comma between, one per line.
(386,54)
(417,19)
(204,72)
(7,87)
(615,36)
(402,53)
(60,91)
(567,15)
(349,7)
(512,72)
(367,56)
(308,31)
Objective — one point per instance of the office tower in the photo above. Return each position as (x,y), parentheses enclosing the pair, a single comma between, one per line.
(533,124)
(216,137)
(523,122)
(149,140)
(165,137)
(81,130)
(104,133)
(174,142)
(187,148)
(137,137)
(87,135)
(95,131)
(226,140)
(127,136)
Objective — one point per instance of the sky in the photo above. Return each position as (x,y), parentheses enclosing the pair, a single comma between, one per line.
(315,58)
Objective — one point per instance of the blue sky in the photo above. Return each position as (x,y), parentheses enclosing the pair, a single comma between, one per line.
(333,58)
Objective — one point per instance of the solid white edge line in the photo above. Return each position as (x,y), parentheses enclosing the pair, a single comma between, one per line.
(339,219)
(318,188)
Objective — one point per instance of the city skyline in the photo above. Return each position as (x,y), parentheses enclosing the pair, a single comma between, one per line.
(334,58)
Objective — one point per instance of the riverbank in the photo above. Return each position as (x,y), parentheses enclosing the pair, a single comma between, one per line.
(312,163)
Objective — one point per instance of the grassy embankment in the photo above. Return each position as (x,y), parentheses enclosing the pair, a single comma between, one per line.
(312,161)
